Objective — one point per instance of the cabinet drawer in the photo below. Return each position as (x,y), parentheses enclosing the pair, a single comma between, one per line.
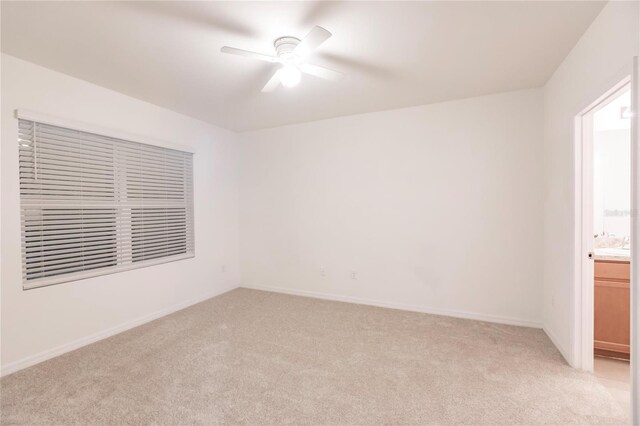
(611,270)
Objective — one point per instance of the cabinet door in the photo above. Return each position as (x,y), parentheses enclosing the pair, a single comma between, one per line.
(612,307)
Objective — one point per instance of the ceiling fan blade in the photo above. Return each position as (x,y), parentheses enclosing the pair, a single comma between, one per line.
(273,83)
(315,38)
(321,72)
(248,54)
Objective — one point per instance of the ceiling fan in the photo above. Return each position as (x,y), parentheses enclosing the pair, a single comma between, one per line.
(292,53)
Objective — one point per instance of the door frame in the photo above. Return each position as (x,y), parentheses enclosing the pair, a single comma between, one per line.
(583,267)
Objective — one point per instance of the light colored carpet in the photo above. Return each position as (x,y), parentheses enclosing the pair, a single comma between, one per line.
(255,357)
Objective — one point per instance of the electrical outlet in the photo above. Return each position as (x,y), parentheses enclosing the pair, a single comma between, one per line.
(223,268)
(353,275)
(323,272)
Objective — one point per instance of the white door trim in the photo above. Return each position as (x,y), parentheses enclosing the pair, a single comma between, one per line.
(582,333)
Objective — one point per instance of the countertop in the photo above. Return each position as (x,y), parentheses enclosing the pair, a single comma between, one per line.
(619,255)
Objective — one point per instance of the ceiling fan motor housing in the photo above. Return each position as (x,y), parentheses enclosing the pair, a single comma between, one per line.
(284,48)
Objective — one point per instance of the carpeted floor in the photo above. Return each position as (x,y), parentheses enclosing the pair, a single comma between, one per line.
(254,357)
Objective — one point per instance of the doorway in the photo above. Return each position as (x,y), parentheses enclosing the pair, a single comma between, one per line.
(612,243)
(611,203)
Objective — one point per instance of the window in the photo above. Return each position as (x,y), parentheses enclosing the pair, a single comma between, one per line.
(93,205)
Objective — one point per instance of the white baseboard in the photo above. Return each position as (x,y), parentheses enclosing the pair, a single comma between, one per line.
(557,344)
(402,306)
(67,347)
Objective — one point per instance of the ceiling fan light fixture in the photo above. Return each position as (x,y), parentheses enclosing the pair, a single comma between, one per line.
(289,75)
(291,54)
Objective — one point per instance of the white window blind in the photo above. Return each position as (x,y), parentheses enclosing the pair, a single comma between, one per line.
(93,205)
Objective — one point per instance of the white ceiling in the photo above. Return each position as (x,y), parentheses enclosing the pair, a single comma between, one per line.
(395,54)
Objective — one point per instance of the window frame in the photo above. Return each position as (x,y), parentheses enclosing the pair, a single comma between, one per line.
(28,115)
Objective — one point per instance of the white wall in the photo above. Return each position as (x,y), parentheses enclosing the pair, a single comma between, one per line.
(612,184)
(592,67)
(435,208)
(41,322)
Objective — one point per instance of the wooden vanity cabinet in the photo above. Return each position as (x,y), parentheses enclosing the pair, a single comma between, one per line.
(612,308)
